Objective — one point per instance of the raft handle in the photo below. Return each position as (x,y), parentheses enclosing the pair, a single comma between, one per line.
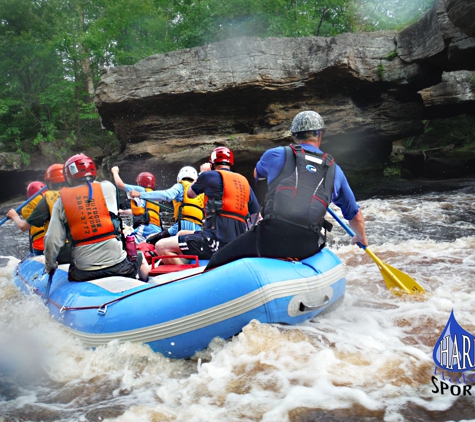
(102,310)
(305,308)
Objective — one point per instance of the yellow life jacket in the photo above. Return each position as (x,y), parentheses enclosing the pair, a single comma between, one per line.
(51,197)
(152,209)
(191,209)
(37,234)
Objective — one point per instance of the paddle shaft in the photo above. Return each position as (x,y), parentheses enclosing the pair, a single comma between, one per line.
(48,286)
(342,224)
(406,283)
(19,208)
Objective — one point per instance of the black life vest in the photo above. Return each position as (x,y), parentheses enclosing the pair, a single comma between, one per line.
(302,191)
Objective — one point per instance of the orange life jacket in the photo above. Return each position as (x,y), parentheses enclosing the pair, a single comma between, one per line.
(88,221)
(235,199)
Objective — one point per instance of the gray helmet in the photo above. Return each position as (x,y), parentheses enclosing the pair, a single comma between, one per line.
(307,121)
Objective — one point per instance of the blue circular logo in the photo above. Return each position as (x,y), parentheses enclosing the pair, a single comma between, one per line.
(311,168)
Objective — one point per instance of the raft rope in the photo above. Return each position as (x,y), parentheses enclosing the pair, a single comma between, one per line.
(102,309)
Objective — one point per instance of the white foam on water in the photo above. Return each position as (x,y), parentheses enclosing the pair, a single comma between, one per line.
(372,356)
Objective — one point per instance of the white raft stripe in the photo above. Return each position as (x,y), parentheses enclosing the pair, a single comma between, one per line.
(120,284)
(218,313)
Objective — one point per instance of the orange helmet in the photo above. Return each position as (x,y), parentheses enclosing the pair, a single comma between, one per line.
(54,174)
(222,155)
(146,180)
(33,188)
(79,167)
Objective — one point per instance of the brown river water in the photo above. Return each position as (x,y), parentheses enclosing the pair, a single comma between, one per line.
(369,360)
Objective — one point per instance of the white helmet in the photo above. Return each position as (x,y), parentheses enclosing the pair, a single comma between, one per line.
(187,173)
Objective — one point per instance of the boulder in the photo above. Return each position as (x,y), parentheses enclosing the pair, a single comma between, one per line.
(461,13)
(453,96)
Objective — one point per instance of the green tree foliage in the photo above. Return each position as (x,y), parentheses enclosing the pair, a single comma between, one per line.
(201,22)
(455,131)
(51,56)
(52,52)
(37,104)
(376,15)
(127,31)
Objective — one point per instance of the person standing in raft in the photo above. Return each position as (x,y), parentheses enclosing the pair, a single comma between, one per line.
(302,181)
(146,215)
(229,202)
(187,212)
(87,210)
(37,234)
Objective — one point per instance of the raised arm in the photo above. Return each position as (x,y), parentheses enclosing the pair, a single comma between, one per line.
(117,180)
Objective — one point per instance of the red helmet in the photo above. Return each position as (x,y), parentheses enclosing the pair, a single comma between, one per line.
(222,155)
(79,167)
(146,180)
(33,188)
(54,174)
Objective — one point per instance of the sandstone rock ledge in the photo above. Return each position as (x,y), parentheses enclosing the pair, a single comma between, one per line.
(172,109)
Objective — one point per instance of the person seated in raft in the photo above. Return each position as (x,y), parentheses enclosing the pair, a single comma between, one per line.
(302,181)
(229,201)
(36,234)
(146,215)
(41,214)
(187,212)
(87,210)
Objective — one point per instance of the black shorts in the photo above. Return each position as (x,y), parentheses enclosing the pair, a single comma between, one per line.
(198,243)
(126,268)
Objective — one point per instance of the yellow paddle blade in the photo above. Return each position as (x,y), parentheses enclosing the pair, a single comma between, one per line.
(395,278)
(406,280)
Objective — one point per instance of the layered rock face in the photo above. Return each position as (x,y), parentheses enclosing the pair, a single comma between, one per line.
(172,109)
(244,93)
(461,13)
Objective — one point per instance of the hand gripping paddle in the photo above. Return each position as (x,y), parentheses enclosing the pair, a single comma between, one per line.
(394,278)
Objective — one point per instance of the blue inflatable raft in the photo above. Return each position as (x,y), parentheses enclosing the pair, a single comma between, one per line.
(179,313)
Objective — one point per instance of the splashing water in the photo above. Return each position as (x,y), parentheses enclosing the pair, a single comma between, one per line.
(370,359)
